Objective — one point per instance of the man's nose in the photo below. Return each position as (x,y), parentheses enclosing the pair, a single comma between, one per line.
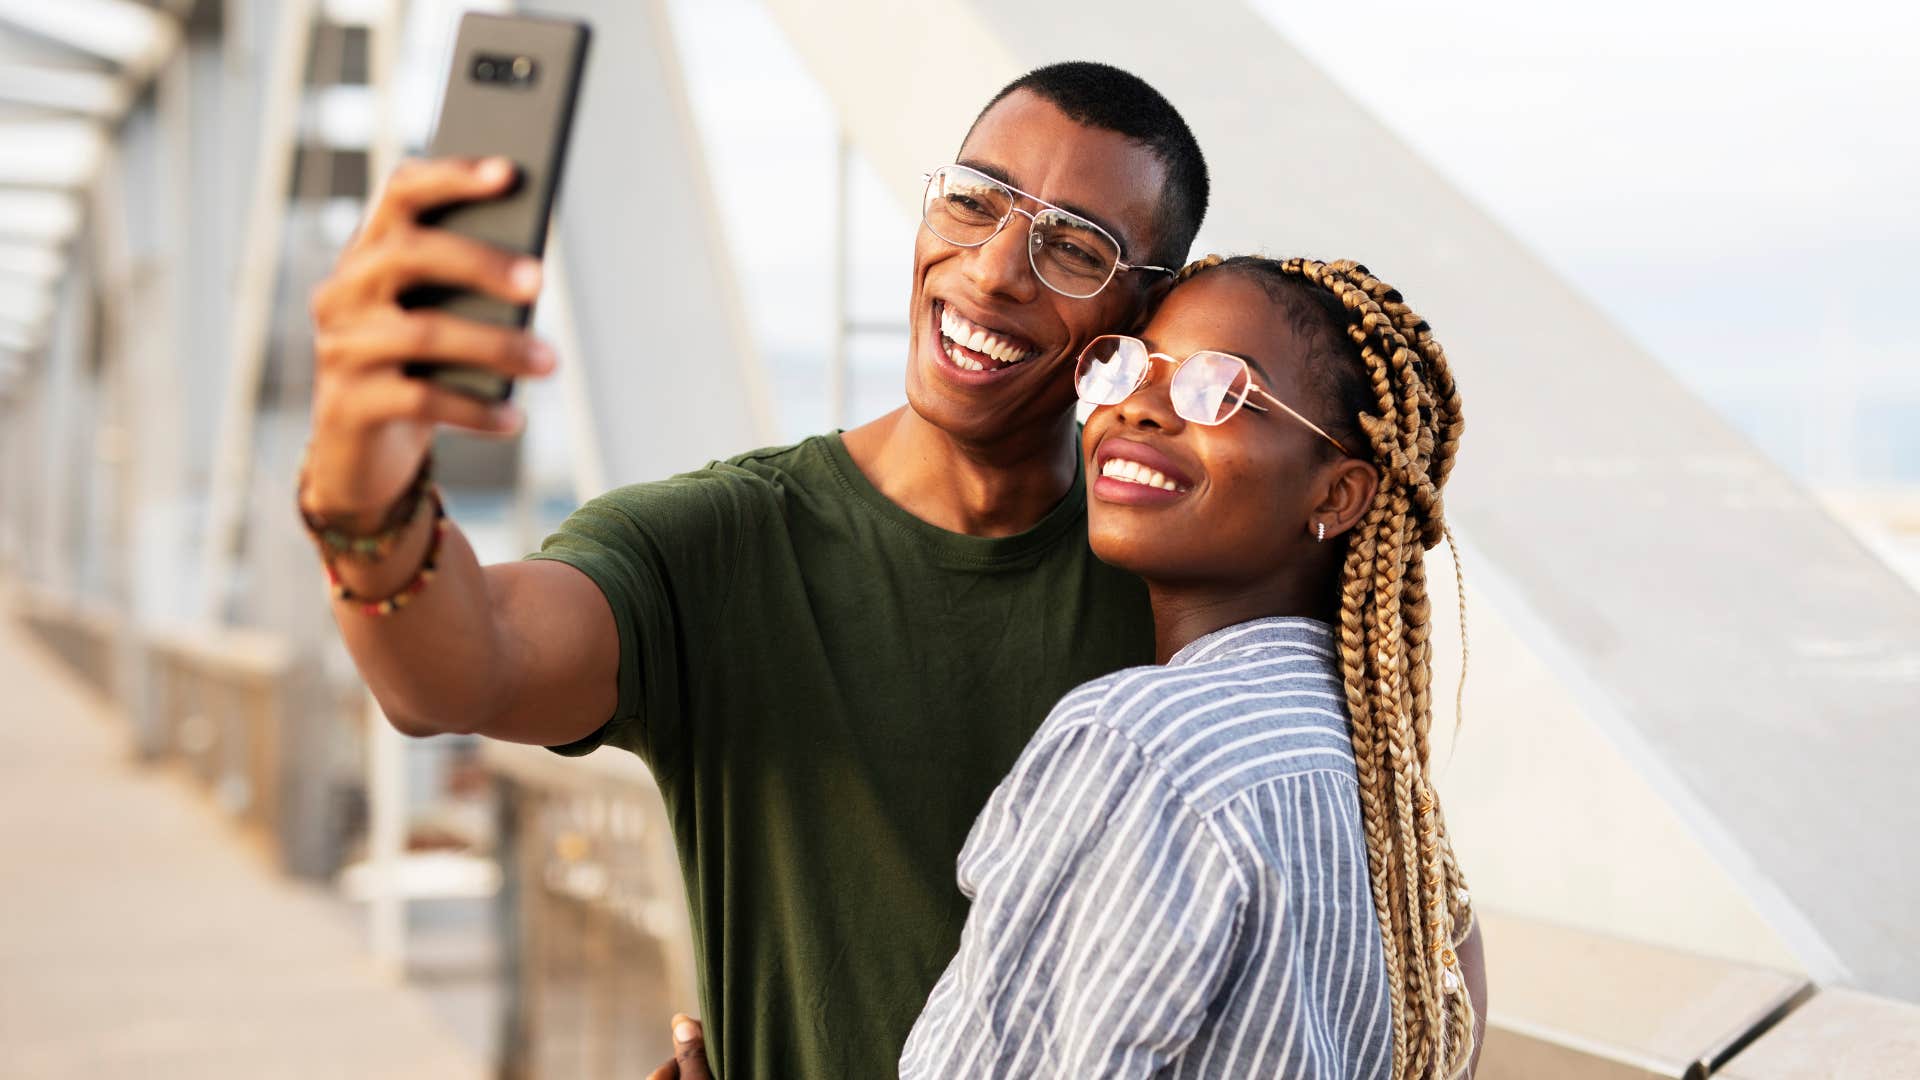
(1000,266)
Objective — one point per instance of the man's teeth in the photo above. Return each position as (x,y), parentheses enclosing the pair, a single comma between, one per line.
(958,331)
(1135,473)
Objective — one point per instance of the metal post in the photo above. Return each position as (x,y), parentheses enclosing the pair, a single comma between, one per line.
(386,840)
(386,749)
(258,272)
(837,360)
(556,319)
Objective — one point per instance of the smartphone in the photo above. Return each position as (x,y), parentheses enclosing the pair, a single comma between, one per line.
(510,93)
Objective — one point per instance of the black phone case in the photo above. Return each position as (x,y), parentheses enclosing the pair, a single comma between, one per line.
(510,93)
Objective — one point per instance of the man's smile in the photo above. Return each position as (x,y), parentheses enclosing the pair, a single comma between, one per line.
(977,347)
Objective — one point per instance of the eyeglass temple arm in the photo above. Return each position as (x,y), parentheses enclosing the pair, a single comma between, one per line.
(1311,426)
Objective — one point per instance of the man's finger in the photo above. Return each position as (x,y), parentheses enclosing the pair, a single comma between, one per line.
(669,1071)
(376,399)
(690,1049)
(438,257)
(431,335)
(419,185)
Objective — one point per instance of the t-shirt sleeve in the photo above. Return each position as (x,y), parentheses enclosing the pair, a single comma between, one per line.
(1103,921)
(664,554)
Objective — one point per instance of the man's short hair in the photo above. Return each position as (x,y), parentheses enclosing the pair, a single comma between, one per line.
(1103,96)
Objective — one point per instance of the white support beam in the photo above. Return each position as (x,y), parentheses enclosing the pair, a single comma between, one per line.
(34,265)
(39,217)
(92,93)
(25,305)
(664,272)
(1756,664)
(51,153)
(18,339)
(134,36)
(259,271)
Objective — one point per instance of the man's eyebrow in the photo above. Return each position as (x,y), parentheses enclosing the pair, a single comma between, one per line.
(1006,178)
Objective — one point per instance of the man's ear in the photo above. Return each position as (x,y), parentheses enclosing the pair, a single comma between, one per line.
(1351,484)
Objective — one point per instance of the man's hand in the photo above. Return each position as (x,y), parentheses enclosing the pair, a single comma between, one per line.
(372,424)
(689,1053)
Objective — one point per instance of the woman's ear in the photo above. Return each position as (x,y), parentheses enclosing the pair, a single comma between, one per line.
(1351,484)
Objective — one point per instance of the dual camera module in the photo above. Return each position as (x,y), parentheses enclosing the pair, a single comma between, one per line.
(510,71)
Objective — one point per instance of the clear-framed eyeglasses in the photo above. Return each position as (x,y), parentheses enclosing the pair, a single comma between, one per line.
(1070,255)
(1207,387)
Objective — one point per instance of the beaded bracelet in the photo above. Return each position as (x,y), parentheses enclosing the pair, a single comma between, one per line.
(374,546)
(400,597)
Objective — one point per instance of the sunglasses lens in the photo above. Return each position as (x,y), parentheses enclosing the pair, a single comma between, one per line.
(1071,253)
(1209,387)
(965,207)
(1109,369)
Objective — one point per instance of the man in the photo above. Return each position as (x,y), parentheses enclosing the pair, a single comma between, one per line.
(829,653)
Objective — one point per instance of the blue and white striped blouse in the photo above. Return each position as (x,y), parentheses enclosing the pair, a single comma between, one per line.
(1173,882)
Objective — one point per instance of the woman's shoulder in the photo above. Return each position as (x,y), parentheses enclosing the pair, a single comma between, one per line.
(1215,727)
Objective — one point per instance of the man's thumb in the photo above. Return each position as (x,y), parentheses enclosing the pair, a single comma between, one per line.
(690,1049)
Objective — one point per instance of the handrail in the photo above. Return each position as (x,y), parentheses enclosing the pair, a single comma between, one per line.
(598,952)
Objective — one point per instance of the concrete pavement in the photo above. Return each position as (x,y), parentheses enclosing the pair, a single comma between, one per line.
(140,937)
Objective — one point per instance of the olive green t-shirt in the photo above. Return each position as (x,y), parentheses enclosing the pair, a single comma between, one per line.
(827,689)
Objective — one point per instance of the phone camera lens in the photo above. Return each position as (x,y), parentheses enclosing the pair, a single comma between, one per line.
(484,70)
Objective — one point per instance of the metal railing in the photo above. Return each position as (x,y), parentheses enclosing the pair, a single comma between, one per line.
(598,953)
(215,701)
(84,638)
(231,708)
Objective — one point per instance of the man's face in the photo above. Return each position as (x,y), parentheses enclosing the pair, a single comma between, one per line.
(1024,381)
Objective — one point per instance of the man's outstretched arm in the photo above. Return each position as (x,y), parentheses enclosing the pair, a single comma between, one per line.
(524,651)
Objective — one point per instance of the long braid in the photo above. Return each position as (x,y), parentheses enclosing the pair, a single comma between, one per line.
(1408,415)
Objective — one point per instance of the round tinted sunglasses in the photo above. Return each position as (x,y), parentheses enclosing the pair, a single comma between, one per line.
(1207,387)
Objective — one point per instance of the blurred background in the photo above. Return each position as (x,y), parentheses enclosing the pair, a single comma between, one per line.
(1669,248)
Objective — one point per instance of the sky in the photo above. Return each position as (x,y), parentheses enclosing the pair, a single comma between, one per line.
(1735,184)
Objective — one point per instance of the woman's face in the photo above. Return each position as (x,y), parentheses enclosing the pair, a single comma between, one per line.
(1247,493)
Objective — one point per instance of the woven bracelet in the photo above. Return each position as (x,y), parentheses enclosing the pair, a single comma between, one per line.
(374,546)
(400,597)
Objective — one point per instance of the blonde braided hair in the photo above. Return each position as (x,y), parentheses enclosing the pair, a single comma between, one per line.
(1411,423)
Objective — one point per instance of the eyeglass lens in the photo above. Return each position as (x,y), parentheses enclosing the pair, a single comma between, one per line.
(1071,254)
(1207,389)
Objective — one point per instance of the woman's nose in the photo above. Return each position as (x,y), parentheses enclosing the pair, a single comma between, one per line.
(1150,404)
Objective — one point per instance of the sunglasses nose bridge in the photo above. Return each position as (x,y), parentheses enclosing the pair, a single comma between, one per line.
(1151,399)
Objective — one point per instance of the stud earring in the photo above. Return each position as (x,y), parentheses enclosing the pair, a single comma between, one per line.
(1321,536)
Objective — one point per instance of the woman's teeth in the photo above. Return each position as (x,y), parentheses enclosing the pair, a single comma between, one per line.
(955,330)
(1135,473)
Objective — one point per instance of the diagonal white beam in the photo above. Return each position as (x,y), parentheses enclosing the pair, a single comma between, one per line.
(92,93)
(1757,664)
(25,305)
(664,270)
(136,37)
(51,153)
(38,217)
(40,266)
(18,339)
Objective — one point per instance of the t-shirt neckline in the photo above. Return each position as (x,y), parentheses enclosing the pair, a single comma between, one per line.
(1069,512)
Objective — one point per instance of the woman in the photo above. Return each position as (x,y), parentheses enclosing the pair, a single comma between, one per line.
(1234,864)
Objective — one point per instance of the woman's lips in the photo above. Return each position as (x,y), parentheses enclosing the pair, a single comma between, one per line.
(1137,474)
(1143,453)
